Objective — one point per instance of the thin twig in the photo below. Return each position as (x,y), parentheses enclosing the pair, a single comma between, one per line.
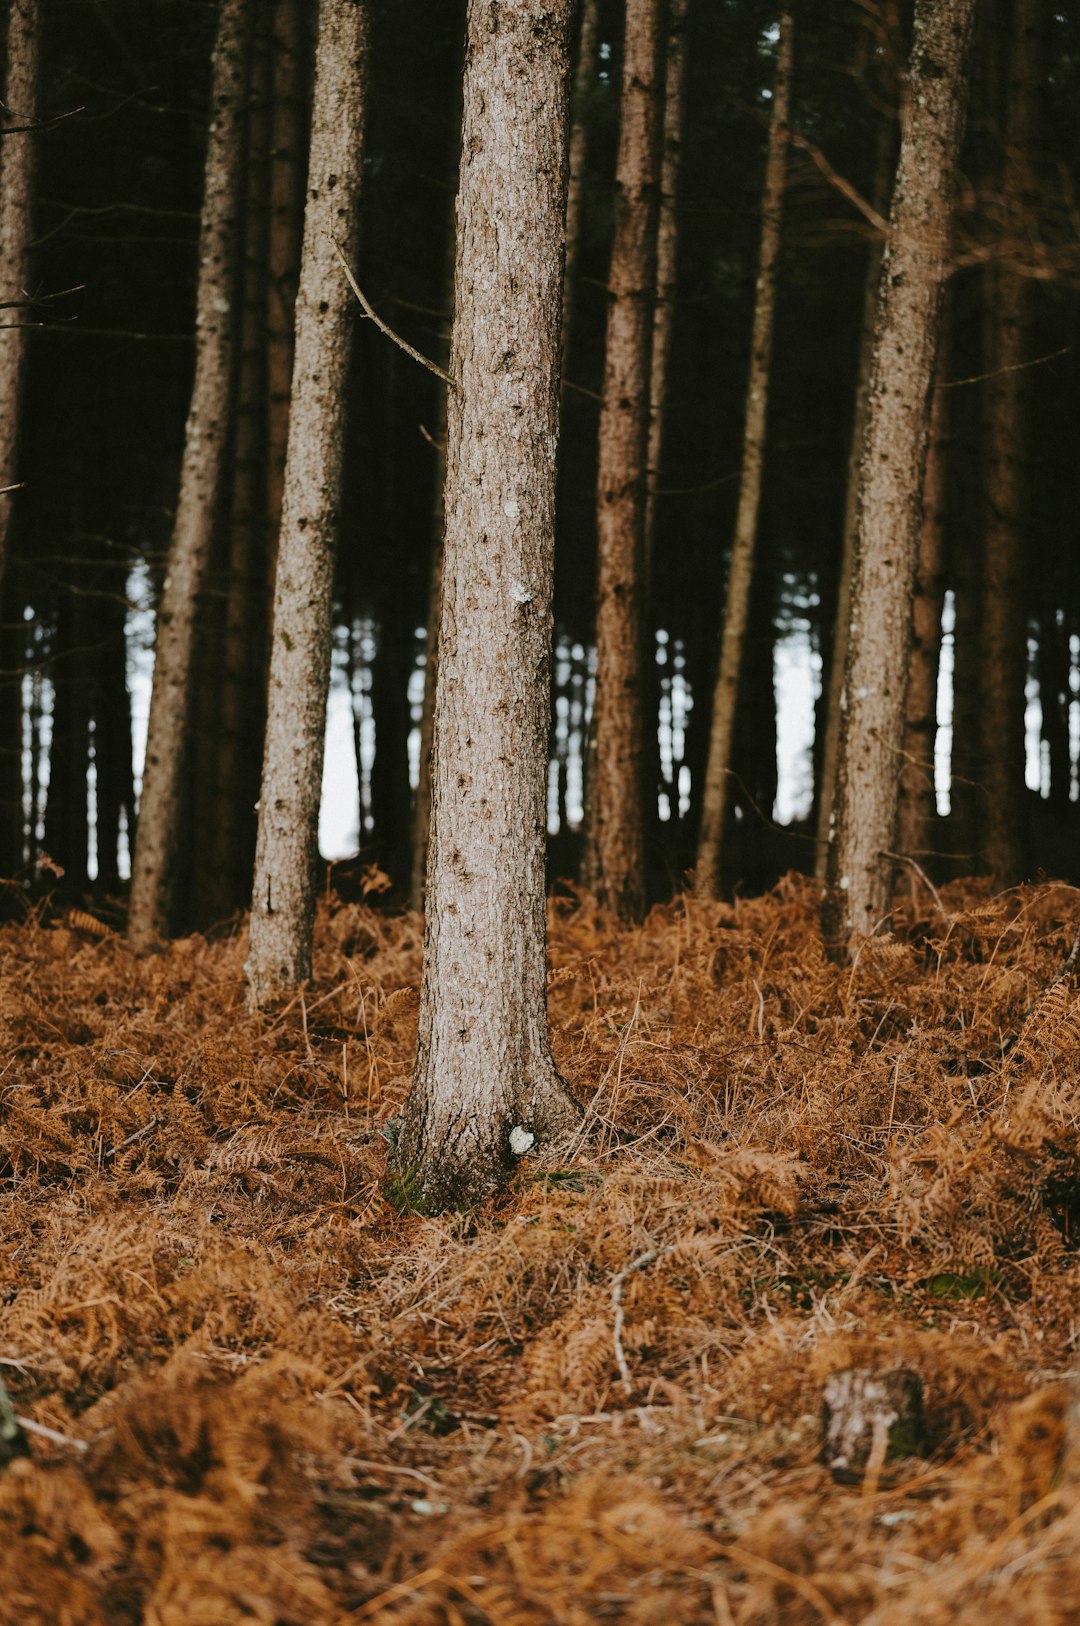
(383,327)
(30,1427)
(904,858)
(845,188)
(147,1128)
(617,1284)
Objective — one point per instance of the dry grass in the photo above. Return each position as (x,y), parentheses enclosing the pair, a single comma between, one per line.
(304,1406)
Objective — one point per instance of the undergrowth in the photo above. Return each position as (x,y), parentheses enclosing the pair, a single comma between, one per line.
(304,1402)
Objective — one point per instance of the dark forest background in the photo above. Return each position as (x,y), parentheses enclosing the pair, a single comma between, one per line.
(121,148)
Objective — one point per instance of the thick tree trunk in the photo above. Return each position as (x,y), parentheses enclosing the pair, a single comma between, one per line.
(859,881)
(485,1083)
(16,232)
(883,169)
(201,479)
(1003,643)
(918,803)
(283,902)
(716,794)
(616,800)
(584,79)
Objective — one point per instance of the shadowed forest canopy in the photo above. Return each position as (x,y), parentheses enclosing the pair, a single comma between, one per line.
(109,351)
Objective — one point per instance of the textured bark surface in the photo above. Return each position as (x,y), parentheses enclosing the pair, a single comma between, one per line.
(883,174)
(667,245)
(616,799)
(859,881)
(1003,640)
(286,182)
(485,1081)
(870,1418)
(917,798)
(283,900)
(201,476)
(16,232)
(232,686)
(715,794)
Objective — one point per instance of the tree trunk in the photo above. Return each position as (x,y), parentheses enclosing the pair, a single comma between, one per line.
(283,903)
(918,803)
(859,880)
(201,480)
(1055,697)
(287,171)
(234,686)
(584,79)
(17,152)
(1003,645)
(616,788)
(883,158)
(421,809)
(12,647)
(485,1084)
(715,795)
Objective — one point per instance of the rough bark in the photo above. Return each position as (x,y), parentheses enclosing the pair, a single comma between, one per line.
(201,479)
(883,161)
(283,901)
(287,172)
(859,879)
(715,794)
(1003,643)
(918,804)
(584,78)
(232,743)
(17,153)
(616,788)
(12,643)
(485,1082)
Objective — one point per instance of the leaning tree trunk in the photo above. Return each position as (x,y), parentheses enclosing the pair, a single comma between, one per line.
(485,1085)
(616,792)
(201,479)
(1003,630)
(283,901)
(16,232)
(883,156)
(715,795)
(859,880)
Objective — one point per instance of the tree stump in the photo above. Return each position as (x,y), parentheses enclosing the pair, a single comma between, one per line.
(870,1418)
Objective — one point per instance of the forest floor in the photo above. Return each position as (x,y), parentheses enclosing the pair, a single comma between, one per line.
(286,1401)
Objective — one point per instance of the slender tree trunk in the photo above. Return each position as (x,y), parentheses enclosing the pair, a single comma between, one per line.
(918,802)
(485,1083)
(287,172)
(883,169)
(584,79)
(234,690)
(112,737)
(67,835)
(1003,644)
(421,811)
(11,728)
(715,796)
(201,480)
(1055,696)
(283,904)
(17,153)
(859,881)
(617,790)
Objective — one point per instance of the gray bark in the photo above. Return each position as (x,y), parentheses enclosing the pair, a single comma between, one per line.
(485,1081)
(859,879)
(880,200)
(201,477)
(283,900)
(715,794)
(17,154)
(615,837)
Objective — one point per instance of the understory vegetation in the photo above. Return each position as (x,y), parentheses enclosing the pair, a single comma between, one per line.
(302,1401)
